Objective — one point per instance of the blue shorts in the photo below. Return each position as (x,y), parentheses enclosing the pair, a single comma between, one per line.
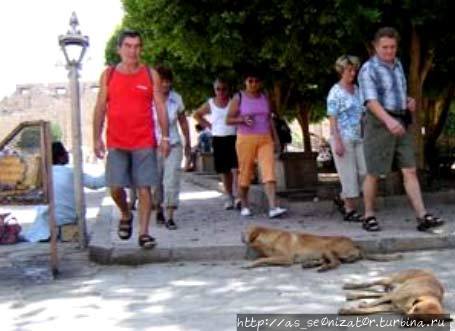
(132,168)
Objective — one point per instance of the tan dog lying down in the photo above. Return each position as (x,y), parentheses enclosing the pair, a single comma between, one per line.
(414,293)
(281,247)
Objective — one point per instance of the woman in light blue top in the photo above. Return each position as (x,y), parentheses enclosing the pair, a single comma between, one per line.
(345,110)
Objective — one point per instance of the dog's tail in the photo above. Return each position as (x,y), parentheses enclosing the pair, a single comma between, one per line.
(382,257)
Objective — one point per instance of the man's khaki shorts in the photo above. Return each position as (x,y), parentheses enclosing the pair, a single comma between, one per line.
(383,150)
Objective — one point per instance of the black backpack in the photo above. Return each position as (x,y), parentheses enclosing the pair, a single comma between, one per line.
(283,130)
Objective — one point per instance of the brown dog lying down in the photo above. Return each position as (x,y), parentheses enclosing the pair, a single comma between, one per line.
(414,293)
(281,247)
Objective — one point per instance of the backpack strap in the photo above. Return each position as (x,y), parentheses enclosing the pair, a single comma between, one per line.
(110,73)
(149,73)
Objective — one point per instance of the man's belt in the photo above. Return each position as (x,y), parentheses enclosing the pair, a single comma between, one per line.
(402,116)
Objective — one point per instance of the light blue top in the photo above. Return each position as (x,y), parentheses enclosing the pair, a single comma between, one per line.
(385,83)
(174,106)
(65,205)
(347,109)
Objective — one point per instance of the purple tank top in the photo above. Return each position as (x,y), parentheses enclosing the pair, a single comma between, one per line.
(259,110)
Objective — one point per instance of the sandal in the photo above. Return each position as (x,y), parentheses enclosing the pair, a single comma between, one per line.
(146,241)
(339,204)
(125,228)
(428,221)
(371,224)
(352,216)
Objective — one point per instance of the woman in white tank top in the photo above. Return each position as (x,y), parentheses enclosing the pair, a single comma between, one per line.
(224,137)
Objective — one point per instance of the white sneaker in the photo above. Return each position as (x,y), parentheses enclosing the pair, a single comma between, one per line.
(245,212)
(277,211)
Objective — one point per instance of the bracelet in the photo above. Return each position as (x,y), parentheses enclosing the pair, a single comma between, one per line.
(165,138)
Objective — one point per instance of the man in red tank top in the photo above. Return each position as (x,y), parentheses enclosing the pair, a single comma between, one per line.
(125,100)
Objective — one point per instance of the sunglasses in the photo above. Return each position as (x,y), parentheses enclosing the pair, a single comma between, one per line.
(220,89)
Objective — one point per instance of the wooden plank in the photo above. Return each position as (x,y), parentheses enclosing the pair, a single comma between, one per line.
(46,144)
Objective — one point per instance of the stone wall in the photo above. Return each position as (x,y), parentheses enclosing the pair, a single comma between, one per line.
(50,102)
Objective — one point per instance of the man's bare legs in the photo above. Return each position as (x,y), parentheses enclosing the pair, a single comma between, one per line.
(412,187)
(118,194)
(145,209)
(145,206)
(370,186)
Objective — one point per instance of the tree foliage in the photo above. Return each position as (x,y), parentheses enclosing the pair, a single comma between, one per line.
(295,42)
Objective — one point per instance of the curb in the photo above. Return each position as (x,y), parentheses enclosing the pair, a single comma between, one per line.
(102,251)
(109,255)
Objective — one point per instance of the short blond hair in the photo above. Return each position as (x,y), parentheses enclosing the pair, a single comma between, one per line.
(346,60)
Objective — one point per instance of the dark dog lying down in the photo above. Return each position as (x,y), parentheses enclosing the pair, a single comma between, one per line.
(281,247)
(415,293)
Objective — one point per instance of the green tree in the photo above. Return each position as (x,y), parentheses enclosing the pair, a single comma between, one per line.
(427,34)
(296,43)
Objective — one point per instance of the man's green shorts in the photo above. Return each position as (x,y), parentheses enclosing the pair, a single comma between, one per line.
(382,149)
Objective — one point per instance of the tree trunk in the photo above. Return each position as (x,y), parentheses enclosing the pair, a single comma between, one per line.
(275,97)
(304,120)
(440,111)
(418,70)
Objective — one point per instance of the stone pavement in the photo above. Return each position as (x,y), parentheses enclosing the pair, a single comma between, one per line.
(207,232)
(197,295)
(178,296)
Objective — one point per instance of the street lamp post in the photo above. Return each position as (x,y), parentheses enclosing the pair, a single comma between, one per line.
(74,45)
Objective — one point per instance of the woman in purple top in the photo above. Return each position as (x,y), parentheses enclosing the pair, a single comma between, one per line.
(256,139)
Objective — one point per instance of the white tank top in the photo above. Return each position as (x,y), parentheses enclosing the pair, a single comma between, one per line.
(219,126)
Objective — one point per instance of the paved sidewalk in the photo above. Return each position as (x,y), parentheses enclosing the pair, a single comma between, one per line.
(194,296)
(207,232)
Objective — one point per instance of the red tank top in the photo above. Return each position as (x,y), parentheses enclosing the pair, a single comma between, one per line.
(129,113)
